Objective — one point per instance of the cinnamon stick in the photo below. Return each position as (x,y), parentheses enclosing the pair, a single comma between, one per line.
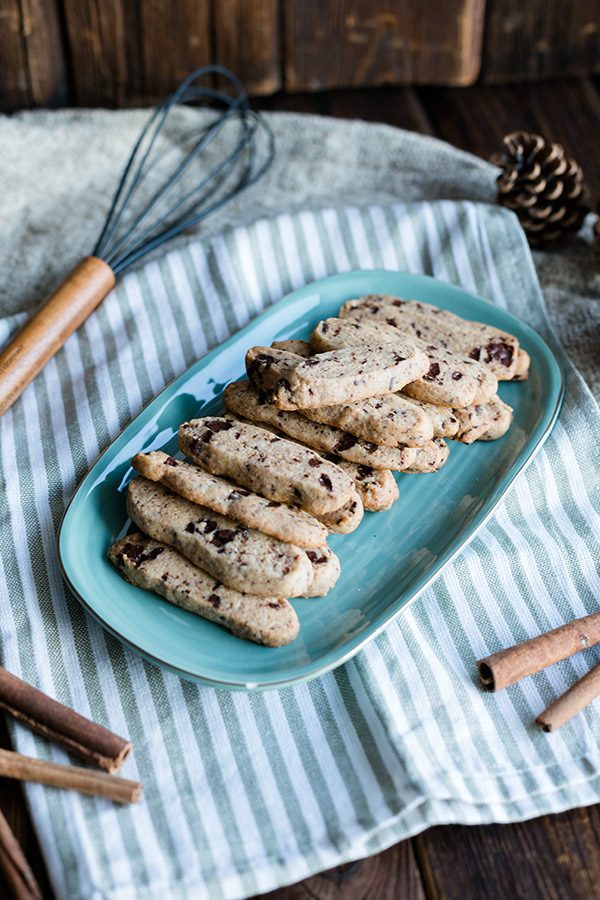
(571,702)
(64,726)
(15,866)
(508,666)
(87,781)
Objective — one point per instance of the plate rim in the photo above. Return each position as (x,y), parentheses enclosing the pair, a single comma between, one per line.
(296,296)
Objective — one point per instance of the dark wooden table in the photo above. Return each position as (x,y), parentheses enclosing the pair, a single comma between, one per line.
(554,857)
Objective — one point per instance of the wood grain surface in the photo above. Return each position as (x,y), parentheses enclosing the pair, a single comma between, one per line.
(44,52)
(347,43)
(124,53)
(247,41)
(400,107)
(540,39)
(104,52)
(15,84)
(554,857)
(12,803)
(551,858)
(391,875)
(565,111)
(176,39)
(32,55)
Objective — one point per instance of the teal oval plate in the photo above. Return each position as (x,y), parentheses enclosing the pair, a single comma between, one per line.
(386,562)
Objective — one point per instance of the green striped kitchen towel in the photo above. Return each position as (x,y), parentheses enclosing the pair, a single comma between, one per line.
(247,792)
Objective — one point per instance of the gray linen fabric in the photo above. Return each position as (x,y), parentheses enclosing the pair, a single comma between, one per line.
(58,171)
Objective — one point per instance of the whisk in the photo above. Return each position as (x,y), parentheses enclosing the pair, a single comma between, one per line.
(227,153)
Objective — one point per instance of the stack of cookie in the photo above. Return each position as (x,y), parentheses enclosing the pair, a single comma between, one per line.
(303,448)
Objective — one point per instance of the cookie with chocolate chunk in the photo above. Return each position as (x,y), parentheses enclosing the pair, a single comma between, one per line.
(326,571)
(346,519)
(280,470)
(300,348)
(473,422)
(377,488)
(522,366)
(342,376)
(276,519)
(493,347)
(484,421)
(501,415)
(390,421)
(156,567)
(443,418)
(450,379)
(240,557)
(243,399)
(431,457)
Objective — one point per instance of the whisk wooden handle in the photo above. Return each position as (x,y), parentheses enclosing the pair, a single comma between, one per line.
(48,329)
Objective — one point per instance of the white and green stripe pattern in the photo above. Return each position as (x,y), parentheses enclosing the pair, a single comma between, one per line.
(247,792)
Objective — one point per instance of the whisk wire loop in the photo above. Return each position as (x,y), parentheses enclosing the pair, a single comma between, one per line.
(128,235)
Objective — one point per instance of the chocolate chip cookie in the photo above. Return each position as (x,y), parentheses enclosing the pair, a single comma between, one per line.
(154,566)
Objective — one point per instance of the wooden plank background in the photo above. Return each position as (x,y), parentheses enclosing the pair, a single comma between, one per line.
(360,42)
(528,40)
(130,52)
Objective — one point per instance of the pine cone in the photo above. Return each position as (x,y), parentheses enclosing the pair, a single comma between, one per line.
(542,185)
